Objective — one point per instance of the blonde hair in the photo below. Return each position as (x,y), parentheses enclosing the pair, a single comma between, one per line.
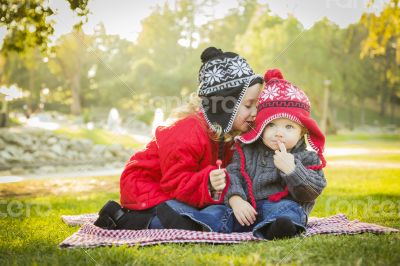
(304,130)
(227,136)
(193,107)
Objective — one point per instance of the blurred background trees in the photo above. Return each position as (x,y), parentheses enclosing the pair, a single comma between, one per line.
(85,74)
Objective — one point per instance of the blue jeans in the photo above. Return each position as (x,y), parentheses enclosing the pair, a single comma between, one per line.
(269,211)
(214,218)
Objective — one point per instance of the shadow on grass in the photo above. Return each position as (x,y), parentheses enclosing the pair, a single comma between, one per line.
(57,187)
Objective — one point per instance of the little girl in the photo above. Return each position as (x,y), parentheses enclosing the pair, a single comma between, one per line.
(167,184)
(274,180)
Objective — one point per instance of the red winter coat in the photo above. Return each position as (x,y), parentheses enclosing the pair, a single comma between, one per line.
(175,165)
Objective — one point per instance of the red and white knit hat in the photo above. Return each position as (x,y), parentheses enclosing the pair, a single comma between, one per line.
(281,99)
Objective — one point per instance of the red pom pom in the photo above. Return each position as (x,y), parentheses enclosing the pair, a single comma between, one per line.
(272,74)
(219,163)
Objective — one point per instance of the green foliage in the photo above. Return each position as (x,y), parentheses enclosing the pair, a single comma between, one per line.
(80,6)
(71,60)
(225,32)
(146,116)
(383,44)
(158,54)
(28,23)
(103,70)
(112,67)
(24,20)
(383,29)
(30,72)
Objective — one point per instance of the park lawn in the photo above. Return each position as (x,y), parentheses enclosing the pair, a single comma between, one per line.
(101,136)
(370,195)
(384,158)
(362,137)
(364,140)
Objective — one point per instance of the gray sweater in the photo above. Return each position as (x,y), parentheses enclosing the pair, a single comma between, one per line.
(304,185)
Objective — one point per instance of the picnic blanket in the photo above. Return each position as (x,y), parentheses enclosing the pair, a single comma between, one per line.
(89,235)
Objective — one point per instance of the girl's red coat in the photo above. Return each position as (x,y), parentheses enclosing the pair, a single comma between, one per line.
(175,165)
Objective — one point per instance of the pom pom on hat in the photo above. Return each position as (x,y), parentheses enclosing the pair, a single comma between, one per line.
(273,74)
(210,53)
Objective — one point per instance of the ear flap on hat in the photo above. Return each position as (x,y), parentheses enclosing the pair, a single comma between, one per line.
(316,139)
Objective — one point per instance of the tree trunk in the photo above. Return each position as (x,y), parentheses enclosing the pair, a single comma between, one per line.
(384,88)
(325,108)
(351,113)
(383,97)
(31,89)
(392,104)
(76,107)
(4,114)
(362,112)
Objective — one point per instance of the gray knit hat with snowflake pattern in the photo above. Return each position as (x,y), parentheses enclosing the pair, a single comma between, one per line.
(223,81)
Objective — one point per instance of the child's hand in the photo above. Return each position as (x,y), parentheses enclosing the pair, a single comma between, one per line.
(283,160)
(218,179)
(244,212)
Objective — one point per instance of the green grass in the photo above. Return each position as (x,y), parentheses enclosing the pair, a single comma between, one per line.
(380,148)
(369,195)
(358,140)
(362,137)
(388,158)
(100,136)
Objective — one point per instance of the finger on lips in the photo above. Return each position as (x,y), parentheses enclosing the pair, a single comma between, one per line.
(282,147)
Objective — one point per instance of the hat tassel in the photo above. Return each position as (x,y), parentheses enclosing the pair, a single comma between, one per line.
(320,166)
(245,174)
(279,195)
